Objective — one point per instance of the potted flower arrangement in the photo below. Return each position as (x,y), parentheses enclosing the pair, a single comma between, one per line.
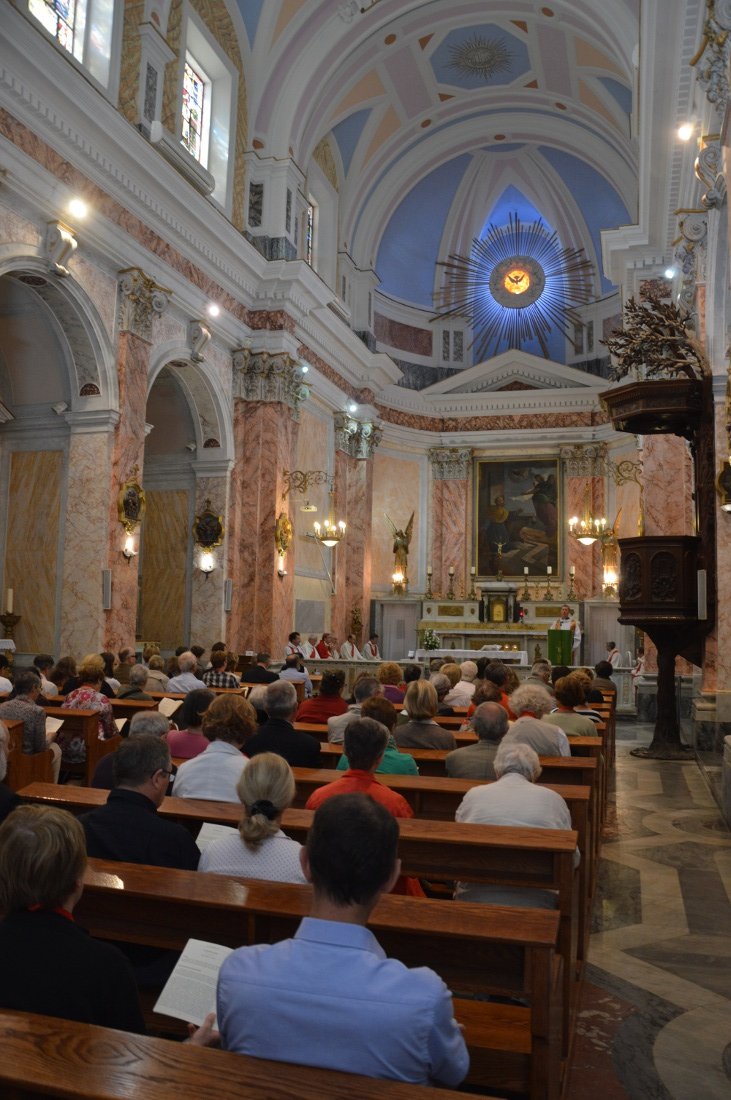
(431,639)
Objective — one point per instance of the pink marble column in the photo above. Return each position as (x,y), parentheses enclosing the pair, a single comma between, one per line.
(128,450)
(265,436)
(450,511)
(352,558)
(587,560)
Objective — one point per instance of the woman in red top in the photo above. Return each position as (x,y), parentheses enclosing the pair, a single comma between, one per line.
(188,740)
(328,703)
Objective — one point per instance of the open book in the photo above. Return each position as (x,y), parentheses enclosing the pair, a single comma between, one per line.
(169,706)
(190,991)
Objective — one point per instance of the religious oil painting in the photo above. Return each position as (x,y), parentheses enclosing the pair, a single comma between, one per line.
(517,513)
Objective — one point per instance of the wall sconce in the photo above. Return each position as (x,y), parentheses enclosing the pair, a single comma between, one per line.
(208,532)
(282,538)
(397,584)
(128,550)
(130,510)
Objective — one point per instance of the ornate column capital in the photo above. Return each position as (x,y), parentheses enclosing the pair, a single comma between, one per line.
(709,170)
(358,438)
(585,459)
(713,53)
(450,463)
(141,300)
(690,254)
(269,376)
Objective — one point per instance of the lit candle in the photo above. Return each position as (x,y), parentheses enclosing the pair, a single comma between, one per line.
(472,571)
(572,571)
(549,570)
(525,570)
(428,571)
(451,570)
(9,602)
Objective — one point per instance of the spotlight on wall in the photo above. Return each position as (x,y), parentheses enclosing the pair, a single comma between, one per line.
(685,131)
(207,563)
(78,208)
(669,272)
(352,407)
(213,310)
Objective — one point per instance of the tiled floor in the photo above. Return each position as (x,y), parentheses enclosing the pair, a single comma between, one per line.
(655,1018)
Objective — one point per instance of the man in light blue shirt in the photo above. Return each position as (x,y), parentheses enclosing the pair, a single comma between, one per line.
(330,997)
(186,680)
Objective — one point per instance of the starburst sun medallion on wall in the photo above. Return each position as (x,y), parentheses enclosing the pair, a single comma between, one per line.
(516,285)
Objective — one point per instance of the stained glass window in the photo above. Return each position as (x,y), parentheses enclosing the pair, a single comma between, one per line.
(82,27)
(309,226)
(195,108)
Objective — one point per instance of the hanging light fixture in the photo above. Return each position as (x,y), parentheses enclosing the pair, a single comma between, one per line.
(587,528)
(330,533)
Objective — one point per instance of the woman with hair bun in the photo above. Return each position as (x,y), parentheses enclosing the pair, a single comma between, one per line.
(260,850)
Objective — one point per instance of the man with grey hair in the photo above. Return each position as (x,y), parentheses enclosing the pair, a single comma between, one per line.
(186,680)
(490,723)
(278,734)
(540,674)
(515,799)
(530,702)
(25,707)
(365,688)
(462,692)
(127,828)
(135,688)
(149,722)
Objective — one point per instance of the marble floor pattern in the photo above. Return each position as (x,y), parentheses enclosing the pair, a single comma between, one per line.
(655,1012)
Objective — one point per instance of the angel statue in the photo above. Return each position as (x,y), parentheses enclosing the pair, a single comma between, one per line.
(401,543)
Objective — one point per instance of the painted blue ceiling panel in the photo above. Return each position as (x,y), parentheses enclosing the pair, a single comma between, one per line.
(620,92)
(477,43)
(347,134)
(600,204)
(410,245)
(513,201)
(251,13)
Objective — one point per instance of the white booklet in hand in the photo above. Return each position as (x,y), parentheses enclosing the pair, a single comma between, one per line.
(190,991)
(169,706)
(210,832)
(53,725)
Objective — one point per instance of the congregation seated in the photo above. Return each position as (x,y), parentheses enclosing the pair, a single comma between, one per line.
(389,675)
(135,686)
(497,673)
(24,706)
(332,979)
(6,684)
(530,703)
(514,799)
(87,696)
(295,671)
(603,680)
(490,723)
(365,687)
(216,676)
(540,674)
(328,703)
(44,663)
(569,693)
(421,731)
(109,667)
(463,686)
(127,658)
(587,678)
(259,673)
(50,965)
(8,799)
(187,678)
(442,685)
(259,849)
(278,734)
(188,740)
(485,692)
(62,673)
(144,722)
(393,761)
(157,680)
(365,744)
(228,724)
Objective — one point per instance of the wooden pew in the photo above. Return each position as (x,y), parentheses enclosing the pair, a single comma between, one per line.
(514,1047)
(45,1056)
(24,767)
(84,723)
(493,854)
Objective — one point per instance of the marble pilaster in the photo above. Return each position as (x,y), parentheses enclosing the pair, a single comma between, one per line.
(85,543)
(451,469)
(265,439)
(587,560)
(208,622)
(717,664)
(667,472)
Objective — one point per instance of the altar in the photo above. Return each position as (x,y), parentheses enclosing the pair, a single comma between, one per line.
(494,652)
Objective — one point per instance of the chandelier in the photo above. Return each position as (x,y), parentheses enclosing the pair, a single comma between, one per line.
(588,528)
(330,533)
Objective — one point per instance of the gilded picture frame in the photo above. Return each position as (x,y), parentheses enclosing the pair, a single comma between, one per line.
(208,529)
(131,503)
(518,516)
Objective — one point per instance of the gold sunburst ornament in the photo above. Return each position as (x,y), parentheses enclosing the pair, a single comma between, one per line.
(517,285)
(480,56)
